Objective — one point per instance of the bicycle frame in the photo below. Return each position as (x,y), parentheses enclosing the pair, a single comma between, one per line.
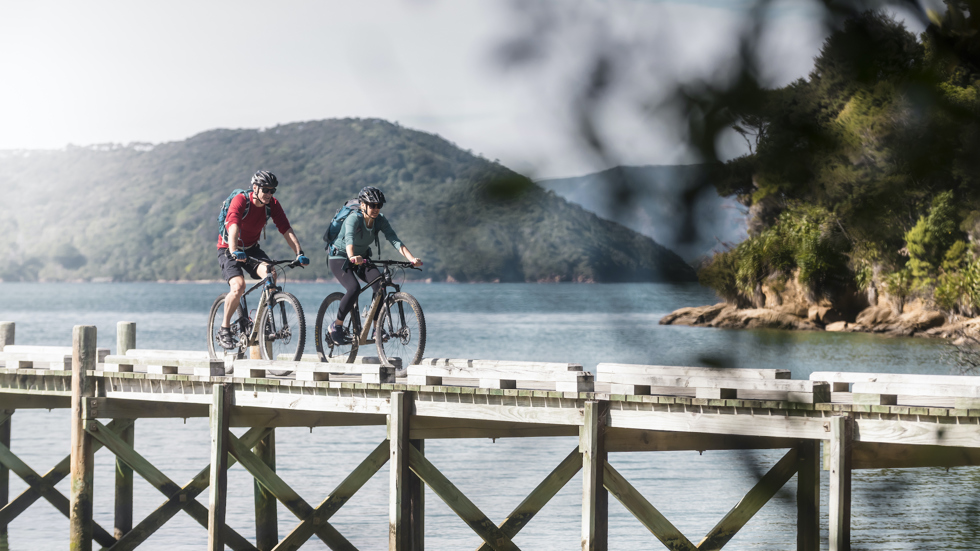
(271,287)
(372,316)
(253,336)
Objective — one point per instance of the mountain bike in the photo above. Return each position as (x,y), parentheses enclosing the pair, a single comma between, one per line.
(396,317)
(278,329)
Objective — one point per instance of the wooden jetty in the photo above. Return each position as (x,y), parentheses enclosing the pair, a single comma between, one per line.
(862,421)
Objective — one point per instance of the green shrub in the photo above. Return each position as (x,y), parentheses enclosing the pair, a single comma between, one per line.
(931,237)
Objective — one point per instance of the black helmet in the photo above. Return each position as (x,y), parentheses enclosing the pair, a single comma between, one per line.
(264,178)
(371,195)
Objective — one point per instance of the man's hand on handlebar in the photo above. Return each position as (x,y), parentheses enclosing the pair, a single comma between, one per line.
(239,256)
(301,260)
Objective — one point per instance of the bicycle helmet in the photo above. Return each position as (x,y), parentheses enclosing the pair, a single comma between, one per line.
(264,178)
(370,194)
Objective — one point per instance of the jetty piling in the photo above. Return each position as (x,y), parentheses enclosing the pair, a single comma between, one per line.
(657,408)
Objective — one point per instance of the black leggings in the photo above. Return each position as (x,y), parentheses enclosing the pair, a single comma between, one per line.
(349,281)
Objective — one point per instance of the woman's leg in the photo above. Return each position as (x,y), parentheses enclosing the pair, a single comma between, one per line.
(349,281)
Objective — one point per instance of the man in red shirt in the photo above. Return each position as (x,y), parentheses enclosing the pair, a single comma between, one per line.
(241,252)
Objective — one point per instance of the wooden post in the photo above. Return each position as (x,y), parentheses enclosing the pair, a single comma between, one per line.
(399,501)
(808,496)
(125,341)
(595,497)
(125,337)
(416,490)
(220,415)
(266,521)
(4,471)
(83,359)
(841,435)
(6,337)
(6,333)
(124,488)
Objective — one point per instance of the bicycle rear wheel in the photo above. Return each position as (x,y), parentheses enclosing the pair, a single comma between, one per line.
(400,333)
(326,349)
(239,328)
(283,330)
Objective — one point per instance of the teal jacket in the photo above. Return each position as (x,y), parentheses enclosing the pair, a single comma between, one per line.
(357,233)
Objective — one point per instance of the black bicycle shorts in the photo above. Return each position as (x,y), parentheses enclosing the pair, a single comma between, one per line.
(232,268)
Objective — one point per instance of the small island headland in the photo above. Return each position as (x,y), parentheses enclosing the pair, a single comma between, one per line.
(863,313)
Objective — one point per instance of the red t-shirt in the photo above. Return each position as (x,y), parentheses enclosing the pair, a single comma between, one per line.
(250,228)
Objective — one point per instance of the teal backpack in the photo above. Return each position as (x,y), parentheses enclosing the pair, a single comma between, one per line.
(337,222)
(223,231)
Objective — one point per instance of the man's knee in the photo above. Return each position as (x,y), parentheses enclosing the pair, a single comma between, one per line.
(236,285)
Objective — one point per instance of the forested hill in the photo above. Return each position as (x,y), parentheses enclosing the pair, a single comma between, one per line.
(649,199)
(143,212)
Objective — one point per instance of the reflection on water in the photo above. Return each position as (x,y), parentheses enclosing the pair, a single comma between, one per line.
(587,324)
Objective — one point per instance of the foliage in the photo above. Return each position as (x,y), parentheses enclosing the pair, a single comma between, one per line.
(805,239)
(930,239)
(149,213)
(881,139)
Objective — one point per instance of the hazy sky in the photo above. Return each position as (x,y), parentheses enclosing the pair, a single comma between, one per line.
(154,71)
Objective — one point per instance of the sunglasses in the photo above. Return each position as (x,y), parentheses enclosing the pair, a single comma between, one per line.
(268,190)
(373,205)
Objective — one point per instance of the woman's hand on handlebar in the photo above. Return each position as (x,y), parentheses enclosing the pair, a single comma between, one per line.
(416,261)
(357,260)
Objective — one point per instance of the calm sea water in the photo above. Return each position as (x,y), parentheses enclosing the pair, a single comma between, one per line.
(893,509)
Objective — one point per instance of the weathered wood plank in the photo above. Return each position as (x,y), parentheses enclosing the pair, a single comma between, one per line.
(813,428)
(416,494)
(46,489)
(344,491)
(505,413)
(603,370)
(437,428)
(223,396)
(842,430)
(80,529)
(185,499)
(520,364)
(595,498)
(124,484)
(160,481)
(286,495)
(459,503)
(35,401)
(266,518)
(399,501)
(502,371)
(748,506)
(870,455)
(893,378)
(631,440)
(923,433)
(808,496)
(5,425)
(919,389)
(46,484)
(540,496)
(647,514)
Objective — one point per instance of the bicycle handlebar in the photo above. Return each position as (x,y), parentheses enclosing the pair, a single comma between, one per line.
(399,263)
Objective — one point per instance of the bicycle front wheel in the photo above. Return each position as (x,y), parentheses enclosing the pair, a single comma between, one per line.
(400,333)
(282,333)
(239,327)
(326,348)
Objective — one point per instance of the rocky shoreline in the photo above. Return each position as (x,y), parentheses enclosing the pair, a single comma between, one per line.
(912,321)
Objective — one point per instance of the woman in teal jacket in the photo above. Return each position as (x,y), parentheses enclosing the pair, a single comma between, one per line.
(348,252)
